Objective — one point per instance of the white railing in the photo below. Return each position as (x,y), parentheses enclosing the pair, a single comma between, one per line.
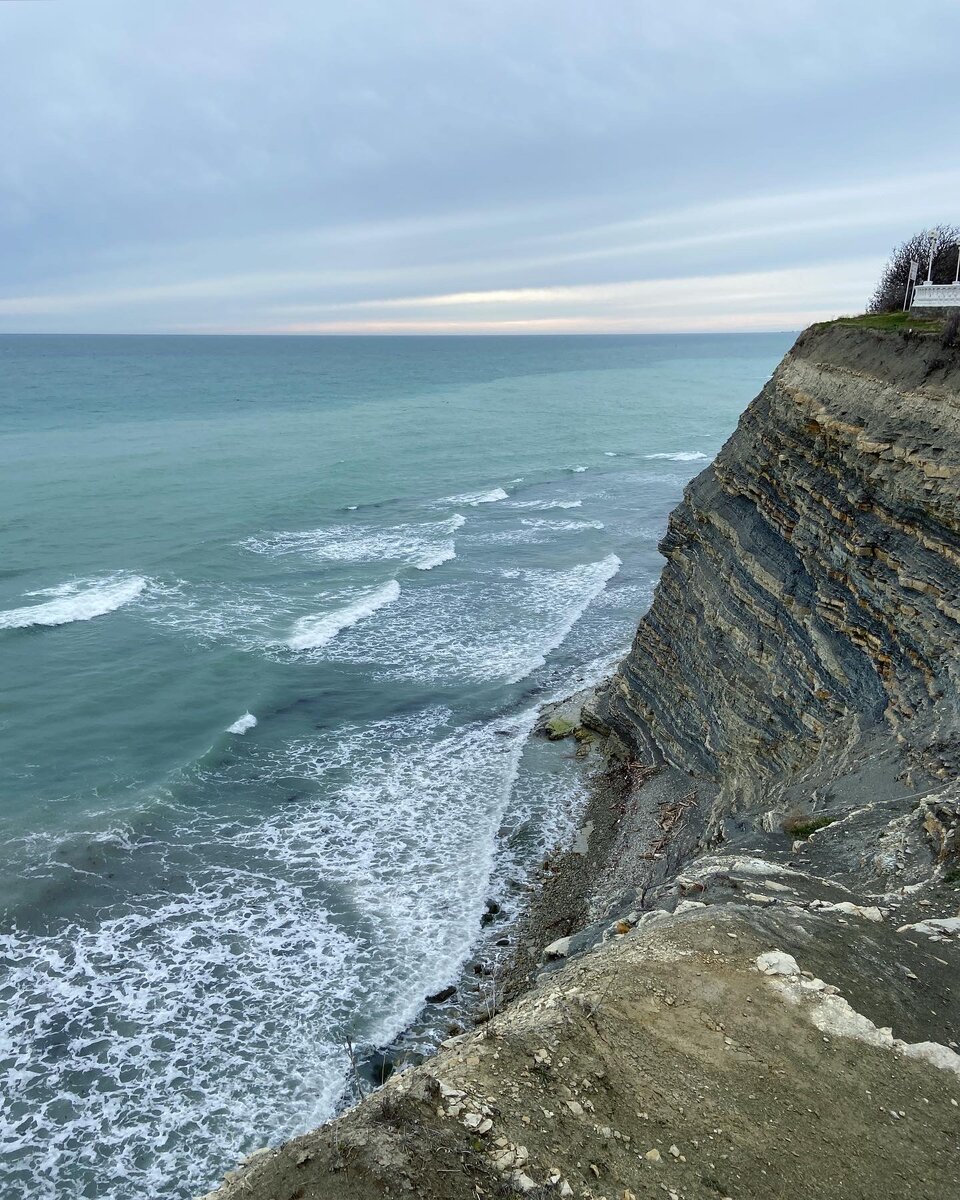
(936,295)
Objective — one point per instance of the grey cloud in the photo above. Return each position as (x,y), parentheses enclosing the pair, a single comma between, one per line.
(153,155)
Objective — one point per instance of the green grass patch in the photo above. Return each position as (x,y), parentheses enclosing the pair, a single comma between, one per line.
(892,322)
(802,826)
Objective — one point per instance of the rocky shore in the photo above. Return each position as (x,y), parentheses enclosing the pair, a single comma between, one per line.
(743,979)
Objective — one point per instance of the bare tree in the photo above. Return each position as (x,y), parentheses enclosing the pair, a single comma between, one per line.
(893,282)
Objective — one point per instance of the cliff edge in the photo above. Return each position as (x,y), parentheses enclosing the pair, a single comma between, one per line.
(756,990)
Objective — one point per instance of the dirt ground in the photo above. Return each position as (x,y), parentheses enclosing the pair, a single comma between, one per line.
(664,1063)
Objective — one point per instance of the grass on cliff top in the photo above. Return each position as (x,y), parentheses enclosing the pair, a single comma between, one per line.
(892,322)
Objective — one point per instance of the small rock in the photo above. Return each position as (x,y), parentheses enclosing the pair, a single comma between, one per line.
(868,913)
(558,949)
(442,996)
(777,962)
(652,1155)
(675,1151)
(524,1182)
(934,926)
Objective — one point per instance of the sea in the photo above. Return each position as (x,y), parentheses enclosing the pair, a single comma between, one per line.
(276,618)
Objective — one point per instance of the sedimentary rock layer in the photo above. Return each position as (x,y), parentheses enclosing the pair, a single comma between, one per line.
(813,573)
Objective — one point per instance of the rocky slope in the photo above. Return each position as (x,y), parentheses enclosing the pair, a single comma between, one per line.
(754,993)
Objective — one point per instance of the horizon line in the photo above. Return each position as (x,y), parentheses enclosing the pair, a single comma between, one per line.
(287,333)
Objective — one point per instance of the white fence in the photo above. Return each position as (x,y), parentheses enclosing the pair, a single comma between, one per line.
(936,295)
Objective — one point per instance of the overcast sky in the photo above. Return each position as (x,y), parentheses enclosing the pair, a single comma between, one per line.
(466,165)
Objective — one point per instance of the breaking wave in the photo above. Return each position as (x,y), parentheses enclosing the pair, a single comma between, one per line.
(242,724)
(347,543)
(475,498)
(78,600)
(450,632)
(314,632)
(683,456)
(545,505)
(441,555)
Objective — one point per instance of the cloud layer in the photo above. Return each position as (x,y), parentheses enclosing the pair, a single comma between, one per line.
(406,166)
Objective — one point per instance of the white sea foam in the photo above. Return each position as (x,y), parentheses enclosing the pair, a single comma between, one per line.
(577,470)
(314,632)
(560,526)
(682,456)
(409,543)
(531,531)
(242,724)
(218,1013)
(475,498)
(78,600)
(436,558)
(502,630)
(545,505)
(610,453)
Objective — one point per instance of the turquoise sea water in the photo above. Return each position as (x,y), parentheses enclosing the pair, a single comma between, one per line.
(275,617)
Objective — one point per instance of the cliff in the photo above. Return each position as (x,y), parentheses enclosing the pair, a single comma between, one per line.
(756,991)
(811,588)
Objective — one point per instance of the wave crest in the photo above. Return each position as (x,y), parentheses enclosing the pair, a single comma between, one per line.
(314,632)
(242,724)
(683,456)
(77,600)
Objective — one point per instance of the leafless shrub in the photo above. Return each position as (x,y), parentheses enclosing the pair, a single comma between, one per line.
(892,288)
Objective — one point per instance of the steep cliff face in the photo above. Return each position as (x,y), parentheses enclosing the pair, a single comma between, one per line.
(811,587)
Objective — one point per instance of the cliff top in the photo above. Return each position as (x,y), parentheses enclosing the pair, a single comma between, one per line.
(895,322)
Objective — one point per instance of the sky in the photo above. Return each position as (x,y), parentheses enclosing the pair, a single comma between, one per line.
(466,166)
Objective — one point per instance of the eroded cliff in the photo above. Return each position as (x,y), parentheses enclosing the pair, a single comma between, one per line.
(811,587)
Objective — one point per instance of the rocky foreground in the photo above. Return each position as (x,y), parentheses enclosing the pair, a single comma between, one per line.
(745,982)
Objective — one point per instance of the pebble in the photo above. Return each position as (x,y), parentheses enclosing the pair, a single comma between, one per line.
(652,1155)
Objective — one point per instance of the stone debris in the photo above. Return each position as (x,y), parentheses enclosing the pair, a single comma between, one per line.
(835,1016)
(776,962)
(558,949)
(936,928)
(868,913)
(653,1155)
(477,1122)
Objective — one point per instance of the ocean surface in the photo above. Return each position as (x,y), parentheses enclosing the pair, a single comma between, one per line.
(276,615)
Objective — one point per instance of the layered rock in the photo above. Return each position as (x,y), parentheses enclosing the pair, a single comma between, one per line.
(812,586)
